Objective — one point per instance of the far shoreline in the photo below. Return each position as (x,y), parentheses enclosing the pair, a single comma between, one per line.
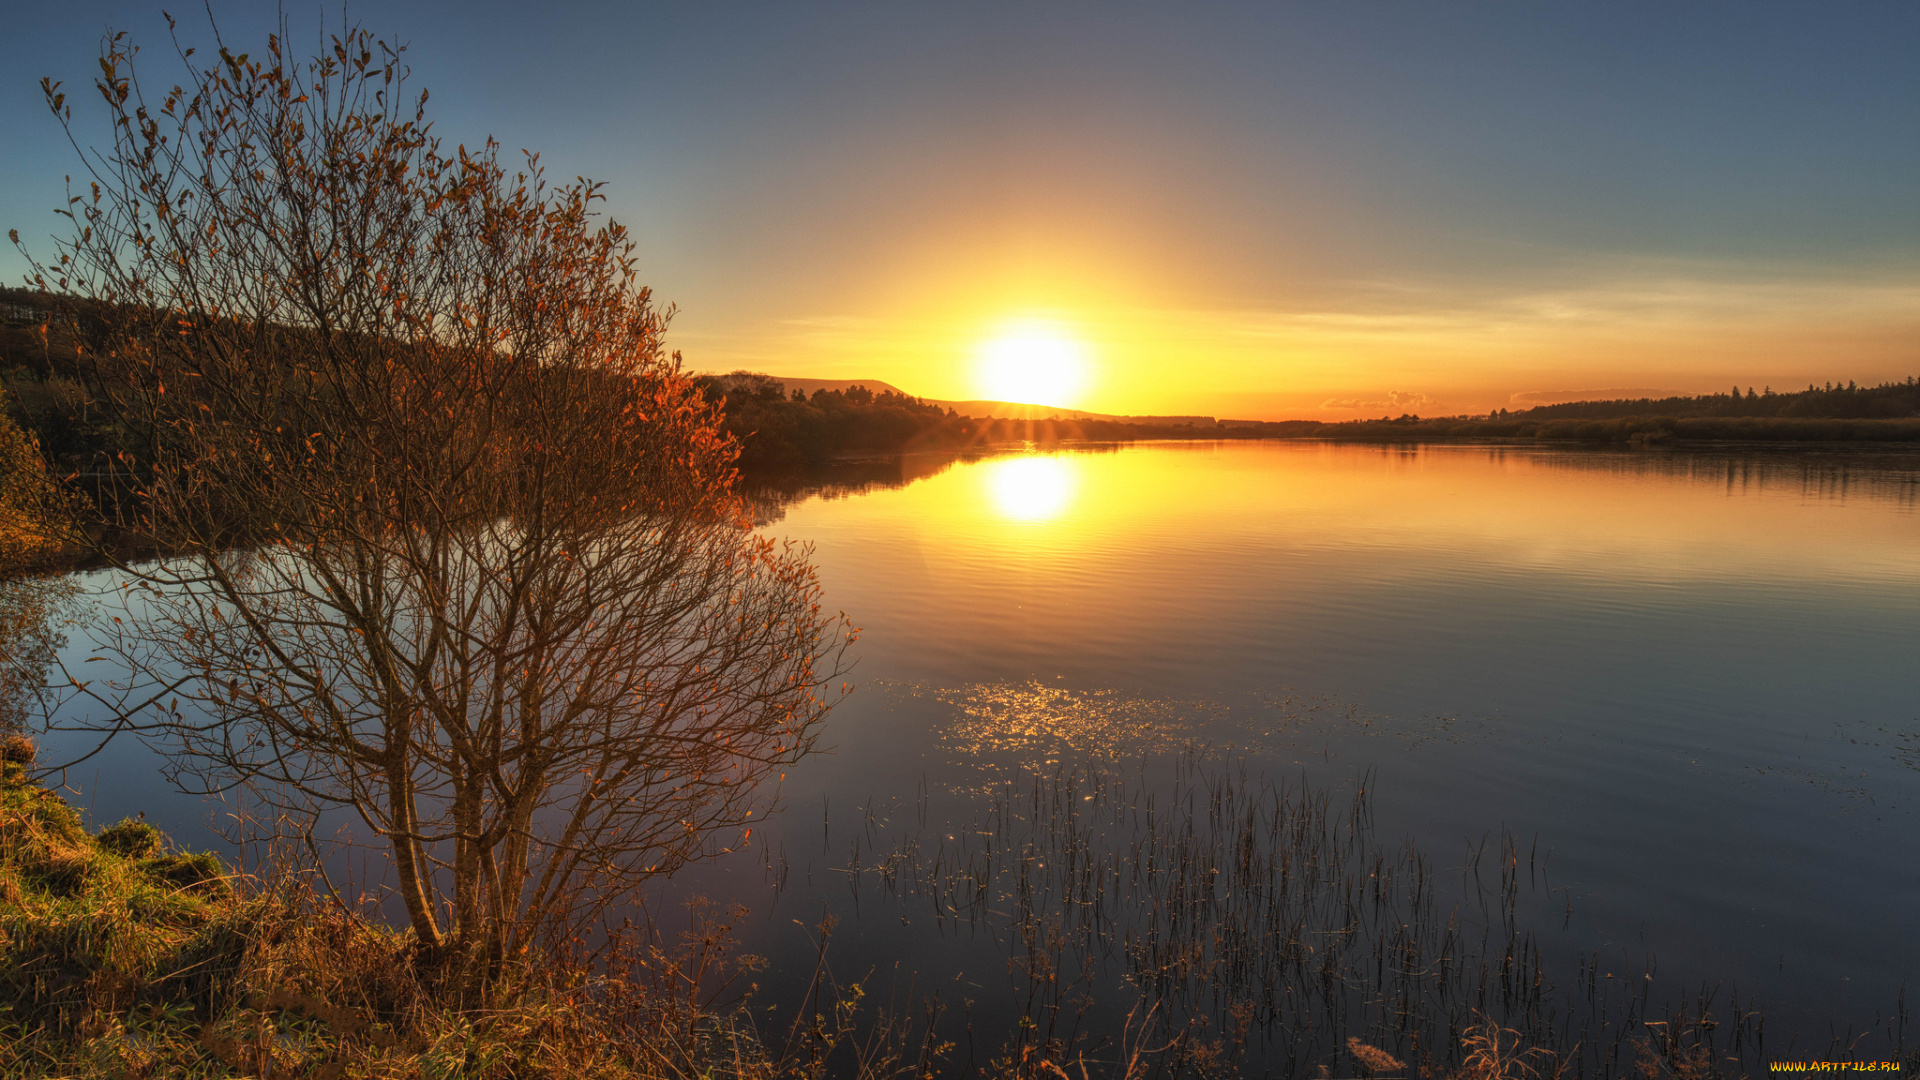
(1008,446)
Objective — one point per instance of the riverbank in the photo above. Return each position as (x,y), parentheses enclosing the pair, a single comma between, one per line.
(121,955)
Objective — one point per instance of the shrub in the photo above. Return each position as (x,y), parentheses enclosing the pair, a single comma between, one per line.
(17,750)
(130,840)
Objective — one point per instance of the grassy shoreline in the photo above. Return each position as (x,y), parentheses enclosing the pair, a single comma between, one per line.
(122,957)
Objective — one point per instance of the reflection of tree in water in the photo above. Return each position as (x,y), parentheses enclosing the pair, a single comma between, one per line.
(1819,473)
(33,606)
(769,493)
(33,611)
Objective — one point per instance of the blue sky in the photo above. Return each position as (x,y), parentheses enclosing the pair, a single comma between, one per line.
(1238,209)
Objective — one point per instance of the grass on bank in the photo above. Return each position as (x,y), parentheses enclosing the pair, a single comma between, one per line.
(122,957)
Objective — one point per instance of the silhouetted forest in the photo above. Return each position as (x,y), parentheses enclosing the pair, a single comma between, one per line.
(1888,401)
(41,366)
(778,429)
(775,428)
(1889,412)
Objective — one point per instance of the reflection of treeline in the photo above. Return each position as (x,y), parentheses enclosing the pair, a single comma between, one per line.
(1854,473)
(32,602)
(769,491)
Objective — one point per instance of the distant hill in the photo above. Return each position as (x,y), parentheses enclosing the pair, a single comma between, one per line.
(808,386)
(1014,410)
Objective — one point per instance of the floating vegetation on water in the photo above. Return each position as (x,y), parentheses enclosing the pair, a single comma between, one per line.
(1267,926)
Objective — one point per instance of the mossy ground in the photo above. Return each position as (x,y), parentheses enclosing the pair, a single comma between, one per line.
(120,957)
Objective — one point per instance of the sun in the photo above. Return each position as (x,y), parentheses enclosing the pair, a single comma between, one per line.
(1034,363)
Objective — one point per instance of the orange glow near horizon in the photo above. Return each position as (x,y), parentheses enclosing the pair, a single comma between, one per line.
(1107,351)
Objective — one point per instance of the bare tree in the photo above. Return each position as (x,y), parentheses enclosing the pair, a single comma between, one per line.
(447,538)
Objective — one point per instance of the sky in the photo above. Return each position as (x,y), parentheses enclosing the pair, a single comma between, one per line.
(1254,211)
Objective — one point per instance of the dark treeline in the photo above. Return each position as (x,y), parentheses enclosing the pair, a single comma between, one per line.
(46,383)
(49,374)
(1632,430)
(80,397)
(1888,401)
(775,428)
(54,367)
(1889,412)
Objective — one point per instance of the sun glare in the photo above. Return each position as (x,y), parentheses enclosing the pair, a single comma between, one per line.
(1031,489)
(1033,363)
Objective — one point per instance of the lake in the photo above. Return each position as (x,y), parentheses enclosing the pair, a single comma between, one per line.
(1683,686)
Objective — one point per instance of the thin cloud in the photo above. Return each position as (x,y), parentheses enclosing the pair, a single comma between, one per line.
(1395,399)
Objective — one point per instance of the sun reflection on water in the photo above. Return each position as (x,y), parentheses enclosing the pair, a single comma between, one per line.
(1035,488)
(1026,725)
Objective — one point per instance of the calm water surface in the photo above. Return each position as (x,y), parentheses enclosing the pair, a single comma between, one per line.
(1696,678)
(1692,677)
